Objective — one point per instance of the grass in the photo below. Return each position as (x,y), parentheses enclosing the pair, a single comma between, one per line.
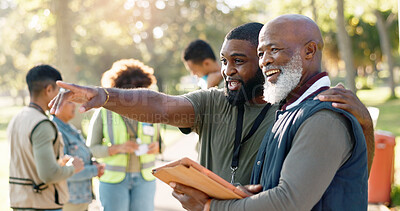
(389,120)
(389,110)
(6,113)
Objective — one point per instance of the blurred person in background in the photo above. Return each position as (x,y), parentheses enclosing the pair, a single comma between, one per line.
(126,146)
(80,184)
(38,167)
(200,60)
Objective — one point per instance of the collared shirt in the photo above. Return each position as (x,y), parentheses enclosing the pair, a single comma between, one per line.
(316,84)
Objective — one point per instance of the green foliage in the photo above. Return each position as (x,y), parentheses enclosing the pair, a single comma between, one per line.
(395,196)
(156,32)
(126,29)
(363,83)
(365,40)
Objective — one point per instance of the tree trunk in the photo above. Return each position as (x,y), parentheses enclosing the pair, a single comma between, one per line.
(65,54)
(345,49)
(386,49)
(21,94)
(314,10)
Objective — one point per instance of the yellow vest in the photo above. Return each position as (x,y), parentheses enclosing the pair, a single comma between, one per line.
(115,132)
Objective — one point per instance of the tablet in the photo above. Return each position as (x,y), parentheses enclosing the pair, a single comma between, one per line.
(190,173)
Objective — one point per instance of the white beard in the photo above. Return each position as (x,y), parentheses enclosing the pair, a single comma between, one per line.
(288,79)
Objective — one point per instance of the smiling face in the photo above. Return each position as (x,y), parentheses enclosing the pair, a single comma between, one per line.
(287,78)
(290,44)
(240,69)
(275,49)
(285,55)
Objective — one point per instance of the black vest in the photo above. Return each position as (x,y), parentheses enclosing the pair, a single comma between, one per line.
(349,187)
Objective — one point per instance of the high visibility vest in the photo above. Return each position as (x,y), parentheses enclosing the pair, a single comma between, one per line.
(115,132)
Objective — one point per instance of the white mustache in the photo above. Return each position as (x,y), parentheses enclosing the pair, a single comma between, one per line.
(287,80)
(270,67)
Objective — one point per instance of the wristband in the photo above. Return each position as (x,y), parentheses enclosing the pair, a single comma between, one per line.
(107,96)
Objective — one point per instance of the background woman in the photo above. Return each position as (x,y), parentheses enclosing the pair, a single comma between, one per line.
(126,146)
(80,184)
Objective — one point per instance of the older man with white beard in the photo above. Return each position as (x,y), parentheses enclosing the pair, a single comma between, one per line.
(314,156)
(289,77)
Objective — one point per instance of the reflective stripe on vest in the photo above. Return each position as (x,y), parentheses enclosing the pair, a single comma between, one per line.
(148,165)
(123,169)
(110,127)
(115,168)
(116,165)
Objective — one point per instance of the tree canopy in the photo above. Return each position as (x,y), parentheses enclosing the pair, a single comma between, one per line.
(84,38)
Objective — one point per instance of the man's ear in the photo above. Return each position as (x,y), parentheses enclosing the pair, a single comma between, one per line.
(207,62)
(311,49)
(49,88)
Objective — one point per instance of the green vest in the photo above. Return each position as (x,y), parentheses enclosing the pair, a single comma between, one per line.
(115,132)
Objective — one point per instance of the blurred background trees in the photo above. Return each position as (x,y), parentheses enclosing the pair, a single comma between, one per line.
(84,37)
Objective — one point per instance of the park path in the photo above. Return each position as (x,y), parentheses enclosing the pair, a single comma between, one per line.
(185,147)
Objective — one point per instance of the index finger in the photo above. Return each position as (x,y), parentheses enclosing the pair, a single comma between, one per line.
(188,190)
(333,91)
(331,94)
(58,101)
(340,86)
(178,186)
(53,101)
(69,86)
(53,105)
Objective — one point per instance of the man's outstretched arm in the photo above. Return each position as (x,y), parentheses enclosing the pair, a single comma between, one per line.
(140,104)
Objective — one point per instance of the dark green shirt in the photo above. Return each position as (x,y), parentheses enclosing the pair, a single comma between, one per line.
(215,123)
